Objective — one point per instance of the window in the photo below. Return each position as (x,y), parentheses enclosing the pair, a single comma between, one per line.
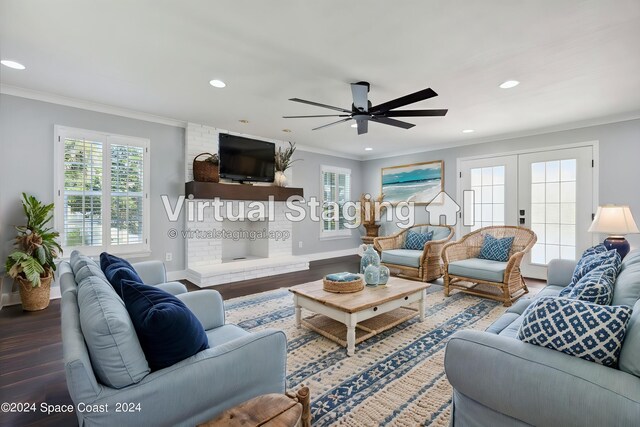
(101,192)
(336,191)
(488,186)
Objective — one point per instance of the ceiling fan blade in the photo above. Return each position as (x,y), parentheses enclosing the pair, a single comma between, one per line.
(331,124)
(415,113)
(391,122)
(363,126)
(360,94)
(420,95)
(321,115)
(319,105)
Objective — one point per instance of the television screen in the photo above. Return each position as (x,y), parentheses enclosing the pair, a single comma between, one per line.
(244,159)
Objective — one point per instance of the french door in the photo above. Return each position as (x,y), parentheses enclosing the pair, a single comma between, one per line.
(550,192)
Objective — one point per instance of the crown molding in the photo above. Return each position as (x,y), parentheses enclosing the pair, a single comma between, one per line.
(633,115)
(87,105)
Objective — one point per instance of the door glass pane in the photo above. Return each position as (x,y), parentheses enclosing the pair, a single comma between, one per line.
(553,210)
(488,184)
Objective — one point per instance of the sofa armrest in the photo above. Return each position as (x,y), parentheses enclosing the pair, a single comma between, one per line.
(200,387)
(538,385)
(174,288)
(560,271)
(207,305)
(151,272)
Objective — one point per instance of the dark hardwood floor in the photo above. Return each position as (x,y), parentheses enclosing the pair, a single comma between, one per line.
(31,367)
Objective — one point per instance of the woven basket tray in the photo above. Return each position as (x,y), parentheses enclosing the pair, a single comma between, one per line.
(343,287)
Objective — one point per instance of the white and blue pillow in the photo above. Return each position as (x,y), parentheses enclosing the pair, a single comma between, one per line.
(593,260)
(416,241)
(596,286)
(496,249)
(588,331)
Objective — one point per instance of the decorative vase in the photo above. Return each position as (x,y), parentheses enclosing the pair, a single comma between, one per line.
(372,275)
(384,275)
(280,179)
(35,298)
(369,257)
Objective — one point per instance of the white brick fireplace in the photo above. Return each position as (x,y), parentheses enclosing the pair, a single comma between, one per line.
(227,249)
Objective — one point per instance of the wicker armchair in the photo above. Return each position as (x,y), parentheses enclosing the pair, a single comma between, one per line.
(512,285)
(425,266)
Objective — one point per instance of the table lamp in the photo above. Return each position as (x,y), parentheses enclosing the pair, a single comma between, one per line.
(616,221)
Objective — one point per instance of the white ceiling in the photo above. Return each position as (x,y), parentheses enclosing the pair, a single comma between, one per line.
(576,60)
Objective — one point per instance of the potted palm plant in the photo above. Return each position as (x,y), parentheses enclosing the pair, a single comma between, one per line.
(283,162)
(32,263)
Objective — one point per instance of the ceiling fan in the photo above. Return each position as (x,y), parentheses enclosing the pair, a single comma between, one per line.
(362,111)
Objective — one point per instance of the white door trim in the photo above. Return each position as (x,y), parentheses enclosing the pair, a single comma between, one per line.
(595,144)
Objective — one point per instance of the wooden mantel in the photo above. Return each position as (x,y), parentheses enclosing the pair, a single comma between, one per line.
(211,190)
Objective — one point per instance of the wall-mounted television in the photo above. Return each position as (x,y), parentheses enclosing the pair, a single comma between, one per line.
(245,159)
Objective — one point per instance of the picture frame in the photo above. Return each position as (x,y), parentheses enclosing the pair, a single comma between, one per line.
(416,182)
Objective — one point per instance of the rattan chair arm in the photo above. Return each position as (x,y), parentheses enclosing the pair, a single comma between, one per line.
(388,242)
(454,251)
(513,265)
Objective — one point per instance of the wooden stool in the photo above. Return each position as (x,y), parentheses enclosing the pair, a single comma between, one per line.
(272,410)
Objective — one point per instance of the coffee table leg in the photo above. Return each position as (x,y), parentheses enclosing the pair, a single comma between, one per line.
(422,304)
(351,334)
(298,311)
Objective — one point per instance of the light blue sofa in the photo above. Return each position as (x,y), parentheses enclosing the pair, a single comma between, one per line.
(238,366)
(500,381)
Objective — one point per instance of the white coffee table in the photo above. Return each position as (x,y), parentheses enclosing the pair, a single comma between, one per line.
(360,315)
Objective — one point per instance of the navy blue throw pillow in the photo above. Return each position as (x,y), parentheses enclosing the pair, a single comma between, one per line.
(167,330)
(116,270)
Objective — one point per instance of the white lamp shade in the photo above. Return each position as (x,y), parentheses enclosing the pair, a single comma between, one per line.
(613,220)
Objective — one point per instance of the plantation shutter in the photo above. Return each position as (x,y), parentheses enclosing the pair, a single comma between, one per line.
(336,186)
(127,194)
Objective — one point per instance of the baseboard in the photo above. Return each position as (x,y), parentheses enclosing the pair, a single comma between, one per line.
(332,254)
(173,276)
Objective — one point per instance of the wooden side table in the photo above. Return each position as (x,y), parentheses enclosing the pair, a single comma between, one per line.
(272,410)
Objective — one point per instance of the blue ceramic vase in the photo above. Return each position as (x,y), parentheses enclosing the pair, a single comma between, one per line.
(369,257)
(383,275)
(372,275)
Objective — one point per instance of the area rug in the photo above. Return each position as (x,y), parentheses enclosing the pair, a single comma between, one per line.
(395,378)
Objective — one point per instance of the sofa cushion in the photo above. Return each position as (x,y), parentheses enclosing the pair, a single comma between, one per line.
(416,241)
(496,249)
(407,257)
(89,270)
(626,290)
(629,356)
(79,261)
(549,291)
(116,355)
(224,334)
(590,331)
(589,262)
(168,331)
(502,322)
(632,258)
(596,286)
(482,269)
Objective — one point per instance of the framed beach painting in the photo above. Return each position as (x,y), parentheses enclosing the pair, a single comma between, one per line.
(418,182)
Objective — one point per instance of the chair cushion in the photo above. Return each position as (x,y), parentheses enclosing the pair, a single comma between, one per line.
(593,260)
(596,286)
(496,249)
(476,268)
(589,331)
(168,331)
(116,355)
(416,241)
(406,257)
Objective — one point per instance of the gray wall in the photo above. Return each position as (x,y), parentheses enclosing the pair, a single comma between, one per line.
(306,174)
(619,161)
(26,164)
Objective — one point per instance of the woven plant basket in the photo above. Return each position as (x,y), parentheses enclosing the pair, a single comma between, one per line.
(343,287)
(35,298)
(205,171)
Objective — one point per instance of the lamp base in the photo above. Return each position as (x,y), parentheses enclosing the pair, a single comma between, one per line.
(618,243)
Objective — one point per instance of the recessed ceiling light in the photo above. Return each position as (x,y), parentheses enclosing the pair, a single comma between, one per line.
(509,84)
(245,121)
(12,64)
(286,130)
(368,149)
(468,131)
(217,83)
(355,125)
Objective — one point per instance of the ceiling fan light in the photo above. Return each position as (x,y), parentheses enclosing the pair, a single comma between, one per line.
(509,84)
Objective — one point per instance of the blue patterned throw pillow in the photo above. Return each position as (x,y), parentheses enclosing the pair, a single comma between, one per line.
(596,259)
(496,249)
(416,241)
(596,286)
(588,331)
